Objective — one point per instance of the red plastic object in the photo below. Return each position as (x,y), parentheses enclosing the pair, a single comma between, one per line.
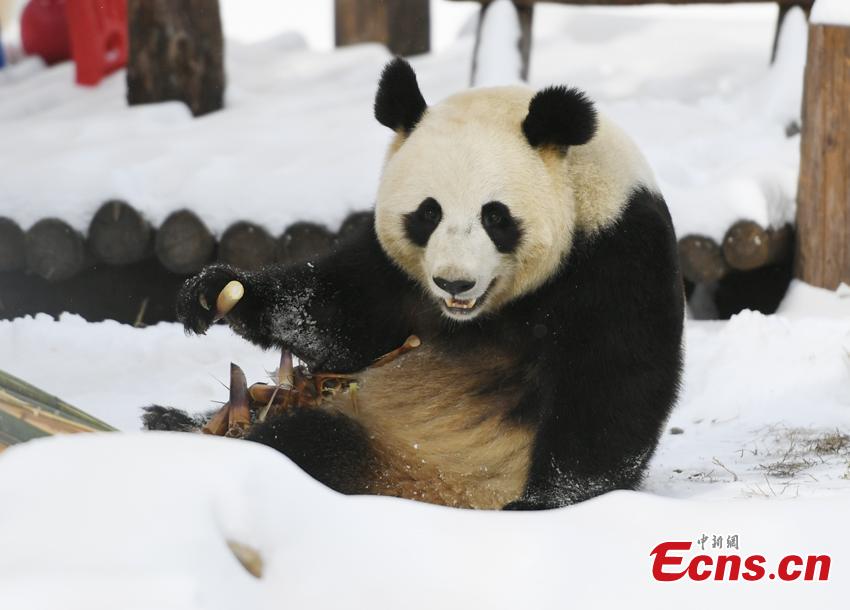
(44,30)
(98,37)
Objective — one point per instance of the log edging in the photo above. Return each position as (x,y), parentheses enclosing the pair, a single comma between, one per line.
(746,246)
(119,234)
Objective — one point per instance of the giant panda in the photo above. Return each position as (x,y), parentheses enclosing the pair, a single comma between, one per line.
(521,235)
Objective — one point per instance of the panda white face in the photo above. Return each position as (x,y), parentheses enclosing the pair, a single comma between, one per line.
(469,209)
(482,192)
(467,253)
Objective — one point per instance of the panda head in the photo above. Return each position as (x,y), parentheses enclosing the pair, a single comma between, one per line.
(474,202)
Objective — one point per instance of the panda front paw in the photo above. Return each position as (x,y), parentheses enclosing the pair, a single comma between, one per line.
(196,302)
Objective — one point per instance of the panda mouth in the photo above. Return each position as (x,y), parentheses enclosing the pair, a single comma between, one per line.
(460,304)
(466,307)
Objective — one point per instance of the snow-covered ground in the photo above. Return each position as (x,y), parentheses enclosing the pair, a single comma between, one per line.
(758,448)
(297,140)
(762,395)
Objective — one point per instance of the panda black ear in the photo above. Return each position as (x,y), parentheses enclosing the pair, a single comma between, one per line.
(399,104)
(561,117)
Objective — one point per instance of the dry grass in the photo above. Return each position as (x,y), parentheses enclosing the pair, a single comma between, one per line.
(805,449)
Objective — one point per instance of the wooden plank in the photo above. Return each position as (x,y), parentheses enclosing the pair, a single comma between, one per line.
(823,200)
(22,391)
(402,25)
(27,413)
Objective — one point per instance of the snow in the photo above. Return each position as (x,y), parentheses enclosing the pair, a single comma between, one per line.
(497,60)
(758,445)
(804,300)
(297,140)
(148,528)
(142,520)
(831,12)
(753,384)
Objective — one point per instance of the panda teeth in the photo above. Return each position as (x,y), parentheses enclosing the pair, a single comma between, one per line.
(460,303)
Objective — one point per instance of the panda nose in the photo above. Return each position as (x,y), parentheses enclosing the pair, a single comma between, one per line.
(454,287)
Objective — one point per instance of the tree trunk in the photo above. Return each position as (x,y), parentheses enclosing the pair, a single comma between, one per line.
(176,53)
(402,25)
(823,201)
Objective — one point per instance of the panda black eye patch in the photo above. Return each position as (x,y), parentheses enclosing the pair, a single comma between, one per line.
(419,224)
(504,230)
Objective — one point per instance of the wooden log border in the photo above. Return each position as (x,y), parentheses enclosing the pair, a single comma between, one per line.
(747,246)
(118,234)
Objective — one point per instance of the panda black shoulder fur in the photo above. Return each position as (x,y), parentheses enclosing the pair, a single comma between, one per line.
(523,238)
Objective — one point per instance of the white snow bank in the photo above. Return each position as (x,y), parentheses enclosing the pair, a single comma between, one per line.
(831,12)
(297,140)
(763,399)
(498,61)
(145,521)
(805,300)
(111,370)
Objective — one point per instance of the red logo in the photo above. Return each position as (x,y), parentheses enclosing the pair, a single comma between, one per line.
(671,564)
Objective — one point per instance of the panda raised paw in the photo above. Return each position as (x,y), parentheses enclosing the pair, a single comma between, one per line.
(196,303)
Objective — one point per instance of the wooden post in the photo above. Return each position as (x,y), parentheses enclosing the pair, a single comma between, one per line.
(55,251)
(183,243)
(823,199)
(303,241)
(176,53)
(404,26)
(747,245)
(13,246)
(701,259)
(247,246)
(119,235)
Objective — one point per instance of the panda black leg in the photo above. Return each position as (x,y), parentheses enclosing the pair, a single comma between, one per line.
(330,447)
(170,419)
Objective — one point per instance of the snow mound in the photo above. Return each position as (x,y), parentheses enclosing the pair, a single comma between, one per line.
(803,300)
(145,522)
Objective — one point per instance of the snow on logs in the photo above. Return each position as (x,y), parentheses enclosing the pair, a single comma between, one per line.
(119,234)
(745,247)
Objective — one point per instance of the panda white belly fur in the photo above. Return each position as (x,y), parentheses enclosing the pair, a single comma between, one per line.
(436,436)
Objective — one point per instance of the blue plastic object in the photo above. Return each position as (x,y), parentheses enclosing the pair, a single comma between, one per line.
(2,58)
